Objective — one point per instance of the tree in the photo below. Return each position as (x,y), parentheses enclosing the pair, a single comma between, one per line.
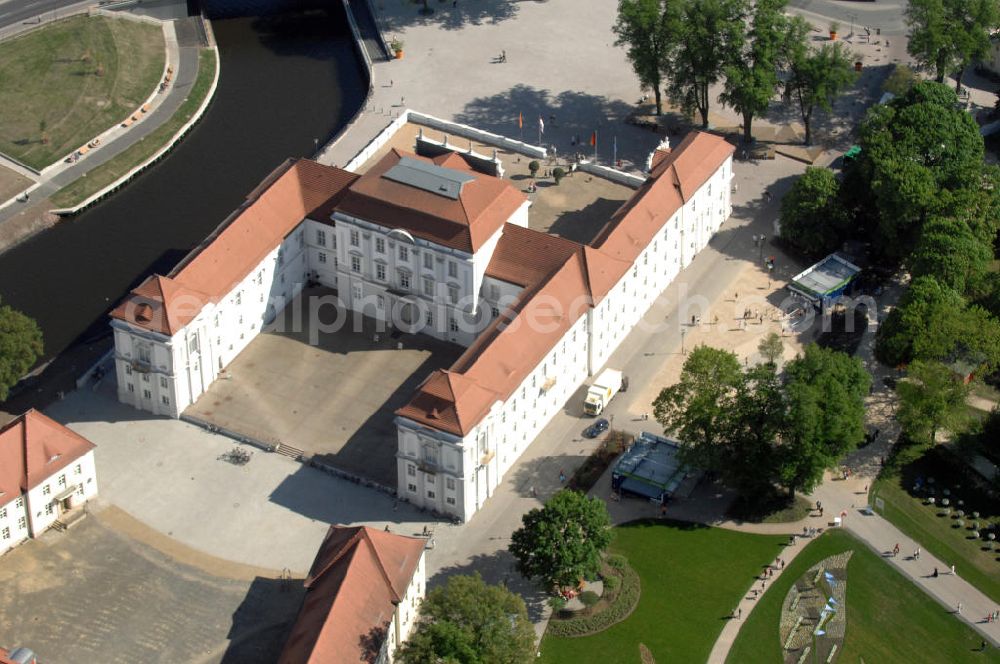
(918,153)
(562,542)
(825,393)
(934,322)
(818,77)
(697,406)
(931,397)
(710,37)
(647,30)
(20,346)
(467,621)
(900,80)
(754,422)
(950,252)
(948,35)
(753,77)
(771,347)
(812,217)
(929,40)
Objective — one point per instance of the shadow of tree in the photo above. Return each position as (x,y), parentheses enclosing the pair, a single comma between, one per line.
(445,14)
(498,568)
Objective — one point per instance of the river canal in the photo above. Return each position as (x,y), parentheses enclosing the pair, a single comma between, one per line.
(287,82)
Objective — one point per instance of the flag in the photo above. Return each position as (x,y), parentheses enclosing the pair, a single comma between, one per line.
(520,120)
(593,139)
(541,125)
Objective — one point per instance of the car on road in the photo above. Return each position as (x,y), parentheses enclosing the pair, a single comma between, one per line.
(596,429)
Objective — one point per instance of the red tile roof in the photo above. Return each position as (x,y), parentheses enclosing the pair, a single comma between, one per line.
(465,223)
(562,279)
(295,190)
(32,448)
(356,580)
(675,178)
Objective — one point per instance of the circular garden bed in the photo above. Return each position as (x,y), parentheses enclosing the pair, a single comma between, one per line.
(621,596)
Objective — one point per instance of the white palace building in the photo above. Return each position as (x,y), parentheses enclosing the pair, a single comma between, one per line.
(438,247)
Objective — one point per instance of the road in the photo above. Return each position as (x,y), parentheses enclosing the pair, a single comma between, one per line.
(884,14)
(14,12)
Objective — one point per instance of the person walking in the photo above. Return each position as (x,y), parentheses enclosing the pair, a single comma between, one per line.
(958,608)
(935,575)
(895,550)
(953,570)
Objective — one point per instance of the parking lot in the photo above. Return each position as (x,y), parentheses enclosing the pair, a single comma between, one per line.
(334,399)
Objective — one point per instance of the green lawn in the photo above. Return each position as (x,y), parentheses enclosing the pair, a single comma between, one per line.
(889,619)
(692,578)
(79,76)
(100,177)
(938,534)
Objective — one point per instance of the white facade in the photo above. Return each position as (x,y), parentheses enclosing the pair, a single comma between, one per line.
(166,374)
(418,285)
(405,615)
(30,514)
(455,475)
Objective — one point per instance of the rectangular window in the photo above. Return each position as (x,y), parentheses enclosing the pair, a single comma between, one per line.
(404,252)
(145,378)
(450,483)
(495,311)
(48,510)
(321,237)
(355,264)
(46,490)
(404,279)
(355,238)
(380,302)
(380,271)
(128,369)
(333,240)
(193,345)
(380,245)
(165,400)
(411,470)
(3,513)
(453,294)
(322,257)
(130,386)
(428,287)
(62,480)
(452,269)
(217,320)
(452,324)
(260,277)
(19,503)
(430,494)
(146,394)
(430,318)
(428,261)
(145,353)
(450,501)
(239,297)
(281,256)
(412,488)
(77,469)
(5,533)
(22,523)
(430,479)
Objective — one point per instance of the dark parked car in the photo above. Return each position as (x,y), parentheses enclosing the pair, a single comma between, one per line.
(596,429)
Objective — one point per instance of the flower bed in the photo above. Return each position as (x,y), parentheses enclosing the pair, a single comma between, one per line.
(617,605)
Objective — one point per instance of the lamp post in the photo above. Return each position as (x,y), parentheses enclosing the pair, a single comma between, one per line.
(683,332)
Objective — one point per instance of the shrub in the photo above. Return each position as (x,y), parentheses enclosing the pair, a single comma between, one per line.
(533,167)
(589,598)
(558,174)
(619,608)
(611,584)
(617,561)
(558,603)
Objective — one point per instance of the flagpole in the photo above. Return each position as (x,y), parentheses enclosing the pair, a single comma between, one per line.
(614,153)
(595,147)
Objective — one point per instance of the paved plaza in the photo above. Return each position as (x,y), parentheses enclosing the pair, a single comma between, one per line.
(95,594)
(332,394)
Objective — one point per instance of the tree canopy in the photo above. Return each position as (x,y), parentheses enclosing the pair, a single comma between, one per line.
(931,397)
(817,77)
(946,36)
(826,393)
(758,432)
(20,346)
(647,30)
(467,621)
(813,219)
(562,542)
(934,322)
(949,251)
(710,37)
